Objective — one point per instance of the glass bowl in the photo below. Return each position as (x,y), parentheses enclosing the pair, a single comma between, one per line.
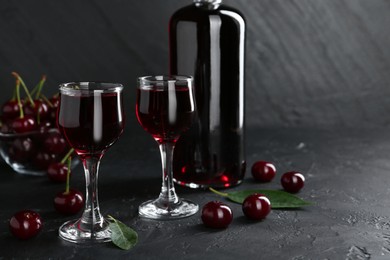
(31,153)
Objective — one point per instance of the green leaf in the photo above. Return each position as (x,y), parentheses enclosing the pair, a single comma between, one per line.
(278,199)
(121,235)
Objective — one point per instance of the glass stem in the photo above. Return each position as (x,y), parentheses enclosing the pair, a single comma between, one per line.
(167,195)
(91,219)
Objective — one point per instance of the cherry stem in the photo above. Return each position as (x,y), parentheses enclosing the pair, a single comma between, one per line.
(67,156)
(14,94)
(68,176)
(223,194)
(47,100)
(34,90)
(40,85)
(17,88)
(16,75)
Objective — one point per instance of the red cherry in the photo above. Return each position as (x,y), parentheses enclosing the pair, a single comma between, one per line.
(21,149)
(256,206)
(55,101)
(292,181)
(23,124)
(10,110)
(263,171)
(53,115)
(44,127)
(55,143)
(57,172)
(69,203)
(25,224)
(6,129)
(40,108)
(216,214)
(42,160)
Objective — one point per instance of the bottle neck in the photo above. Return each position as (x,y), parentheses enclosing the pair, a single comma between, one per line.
(209,3)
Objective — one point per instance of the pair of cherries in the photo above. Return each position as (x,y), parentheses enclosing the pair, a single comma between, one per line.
(292,181)
(216,214)
(26,224)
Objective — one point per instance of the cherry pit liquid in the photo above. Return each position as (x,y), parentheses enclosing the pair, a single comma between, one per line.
(91,124)
(165,114)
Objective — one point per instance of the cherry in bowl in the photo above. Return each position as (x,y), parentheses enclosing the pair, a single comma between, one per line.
(40,108)
(10,110)
(22,149)
(24,124)
(31,153)
(55,143)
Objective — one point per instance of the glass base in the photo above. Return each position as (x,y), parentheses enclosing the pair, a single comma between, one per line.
(73,231)
(154,209)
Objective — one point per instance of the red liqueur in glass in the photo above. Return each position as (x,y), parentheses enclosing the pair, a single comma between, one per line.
(159,117)
(90,124)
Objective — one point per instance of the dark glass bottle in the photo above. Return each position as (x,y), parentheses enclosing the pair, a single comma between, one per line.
(207,40)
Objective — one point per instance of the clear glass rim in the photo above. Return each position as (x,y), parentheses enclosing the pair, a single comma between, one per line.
(84,87)
(164,79)
(4,136)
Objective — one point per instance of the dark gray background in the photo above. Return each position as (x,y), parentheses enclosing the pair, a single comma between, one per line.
(309,62)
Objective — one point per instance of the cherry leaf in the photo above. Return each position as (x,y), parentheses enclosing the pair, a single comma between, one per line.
(121,235)
(279,199)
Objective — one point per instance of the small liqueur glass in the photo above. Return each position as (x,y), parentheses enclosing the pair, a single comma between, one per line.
(165,108)
(91,118)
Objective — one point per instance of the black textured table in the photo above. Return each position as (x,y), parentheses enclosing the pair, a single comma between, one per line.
(347,178)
